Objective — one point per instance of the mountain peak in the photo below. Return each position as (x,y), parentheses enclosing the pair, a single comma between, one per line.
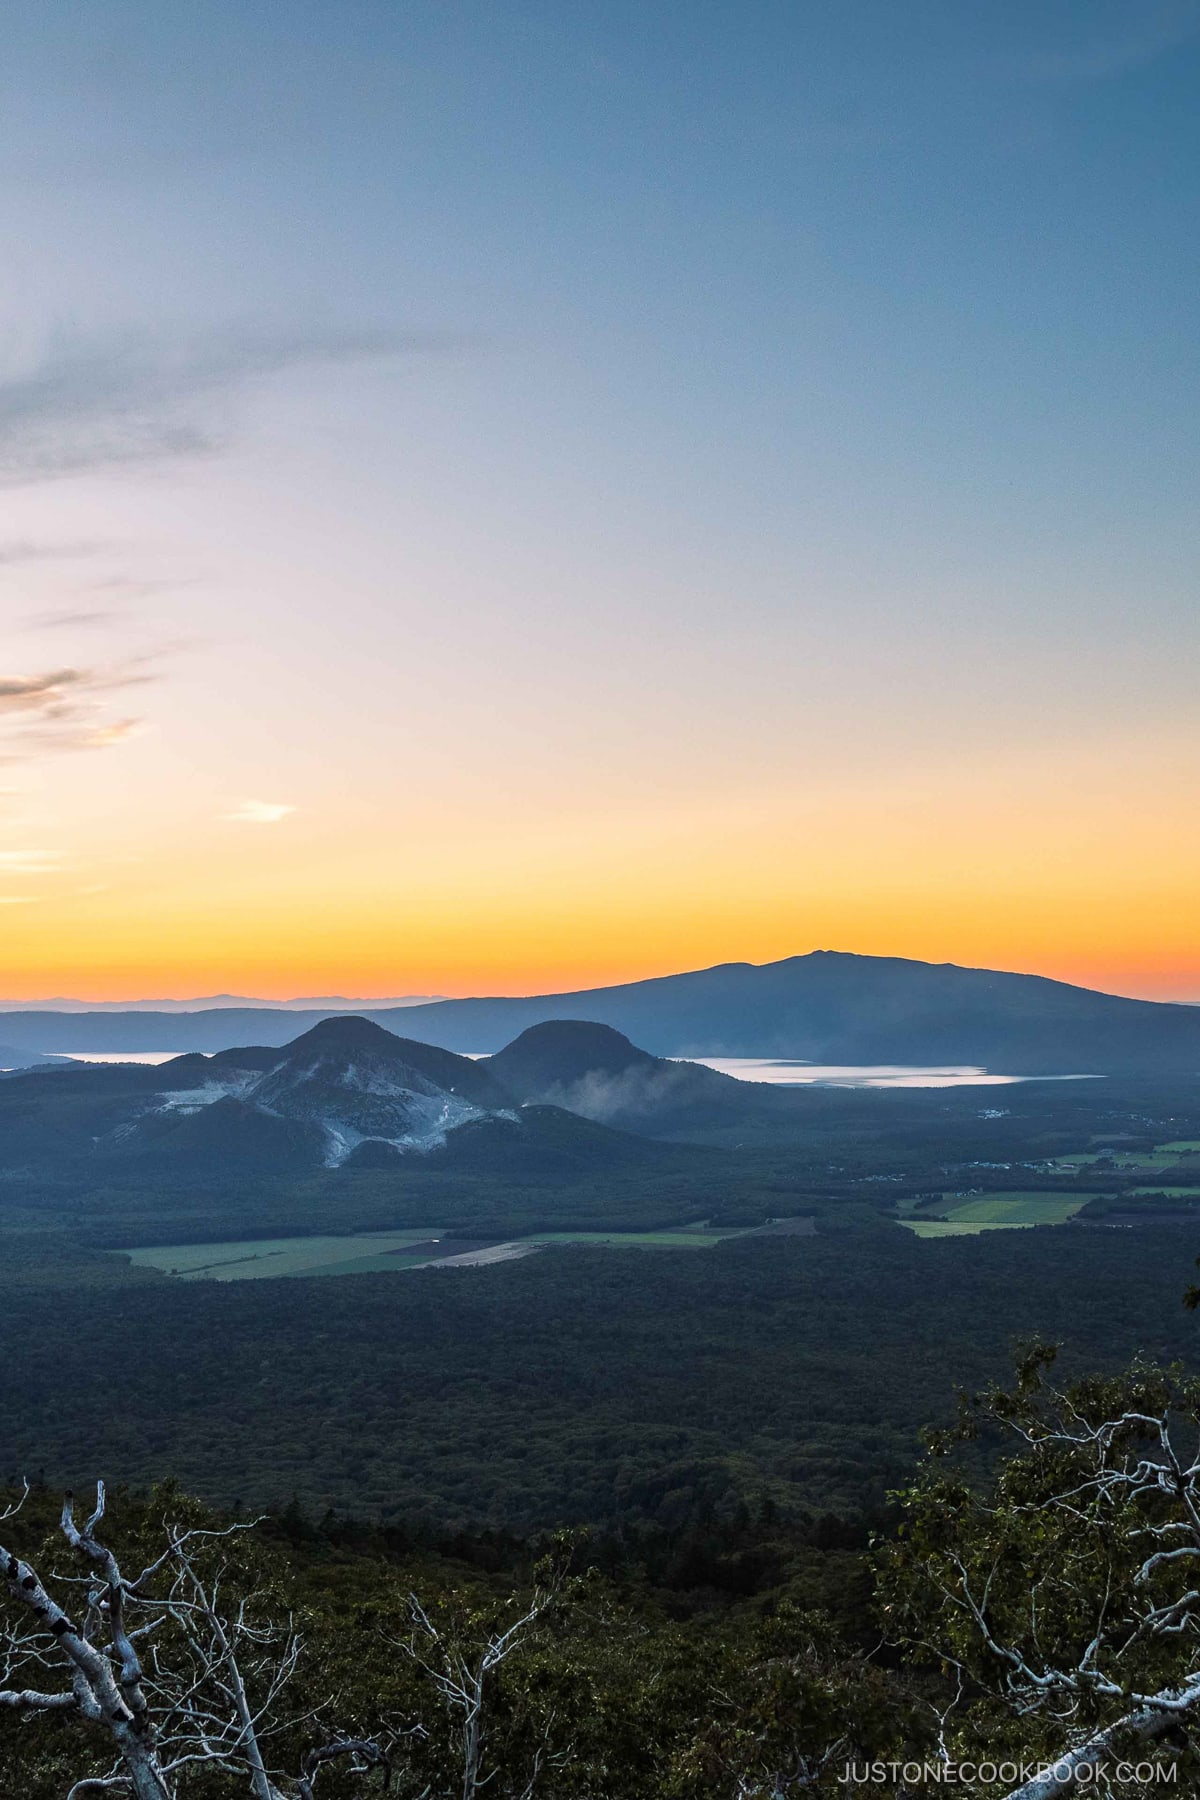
(603,1043)
(559,1052)
(348,1031)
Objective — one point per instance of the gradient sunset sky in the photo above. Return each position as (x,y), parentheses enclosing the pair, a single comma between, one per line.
(503,497)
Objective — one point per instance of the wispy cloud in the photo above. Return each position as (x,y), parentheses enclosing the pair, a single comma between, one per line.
(94,401)
(22,865)
(72,621)
(88,614)
(65,708)
(259,812)
(116,733)
(30,862)
(20,551)
(19,693)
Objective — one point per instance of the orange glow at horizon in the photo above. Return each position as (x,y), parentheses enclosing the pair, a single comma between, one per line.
(972,869)
(389,829)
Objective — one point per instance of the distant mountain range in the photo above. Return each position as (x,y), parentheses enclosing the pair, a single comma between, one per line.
(825,1007)
(212,1002)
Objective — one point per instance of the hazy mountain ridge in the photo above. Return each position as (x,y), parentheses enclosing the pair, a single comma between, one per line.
(220,1002)
(822,1007)
(12,1058)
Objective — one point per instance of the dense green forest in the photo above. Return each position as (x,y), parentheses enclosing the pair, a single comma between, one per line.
(577,1386)
(585,1385)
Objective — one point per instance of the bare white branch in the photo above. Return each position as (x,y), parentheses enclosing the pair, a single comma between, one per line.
(210,1693)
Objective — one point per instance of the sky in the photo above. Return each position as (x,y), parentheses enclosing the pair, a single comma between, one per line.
(507,498)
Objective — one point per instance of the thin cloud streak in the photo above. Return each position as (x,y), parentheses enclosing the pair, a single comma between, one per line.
(30,862)
(107,399)
(21,692)
(72,621)
(259,812)
(18,552)
(64,709)
(116,733)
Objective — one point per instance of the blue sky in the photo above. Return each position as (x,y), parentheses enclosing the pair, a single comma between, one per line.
(698,405)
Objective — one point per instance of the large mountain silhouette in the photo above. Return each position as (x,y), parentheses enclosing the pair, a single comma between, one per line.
(823,1007)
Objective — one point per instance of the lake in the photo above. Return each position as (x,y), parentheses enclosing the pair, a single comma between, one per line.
(783,1073)
(779,1071)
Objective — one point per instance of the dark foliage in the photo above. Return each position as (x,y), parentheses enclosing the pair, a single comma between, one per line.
(580,1385)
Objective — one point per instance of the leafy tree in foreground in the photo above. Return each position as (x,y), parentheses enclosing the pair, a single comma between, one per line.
(1065,1604)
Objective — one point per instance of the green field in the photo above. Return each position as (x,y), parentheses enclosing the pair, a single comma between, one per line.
(1086,1159)
(694,1237)
(381,1252)
(1163,1156)
(965,1215)
(938,1228)
(256,1258)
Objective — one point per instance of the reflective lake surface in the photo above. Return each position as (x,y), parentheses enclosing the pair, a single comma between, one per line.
(780,1071)
(783,1073)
